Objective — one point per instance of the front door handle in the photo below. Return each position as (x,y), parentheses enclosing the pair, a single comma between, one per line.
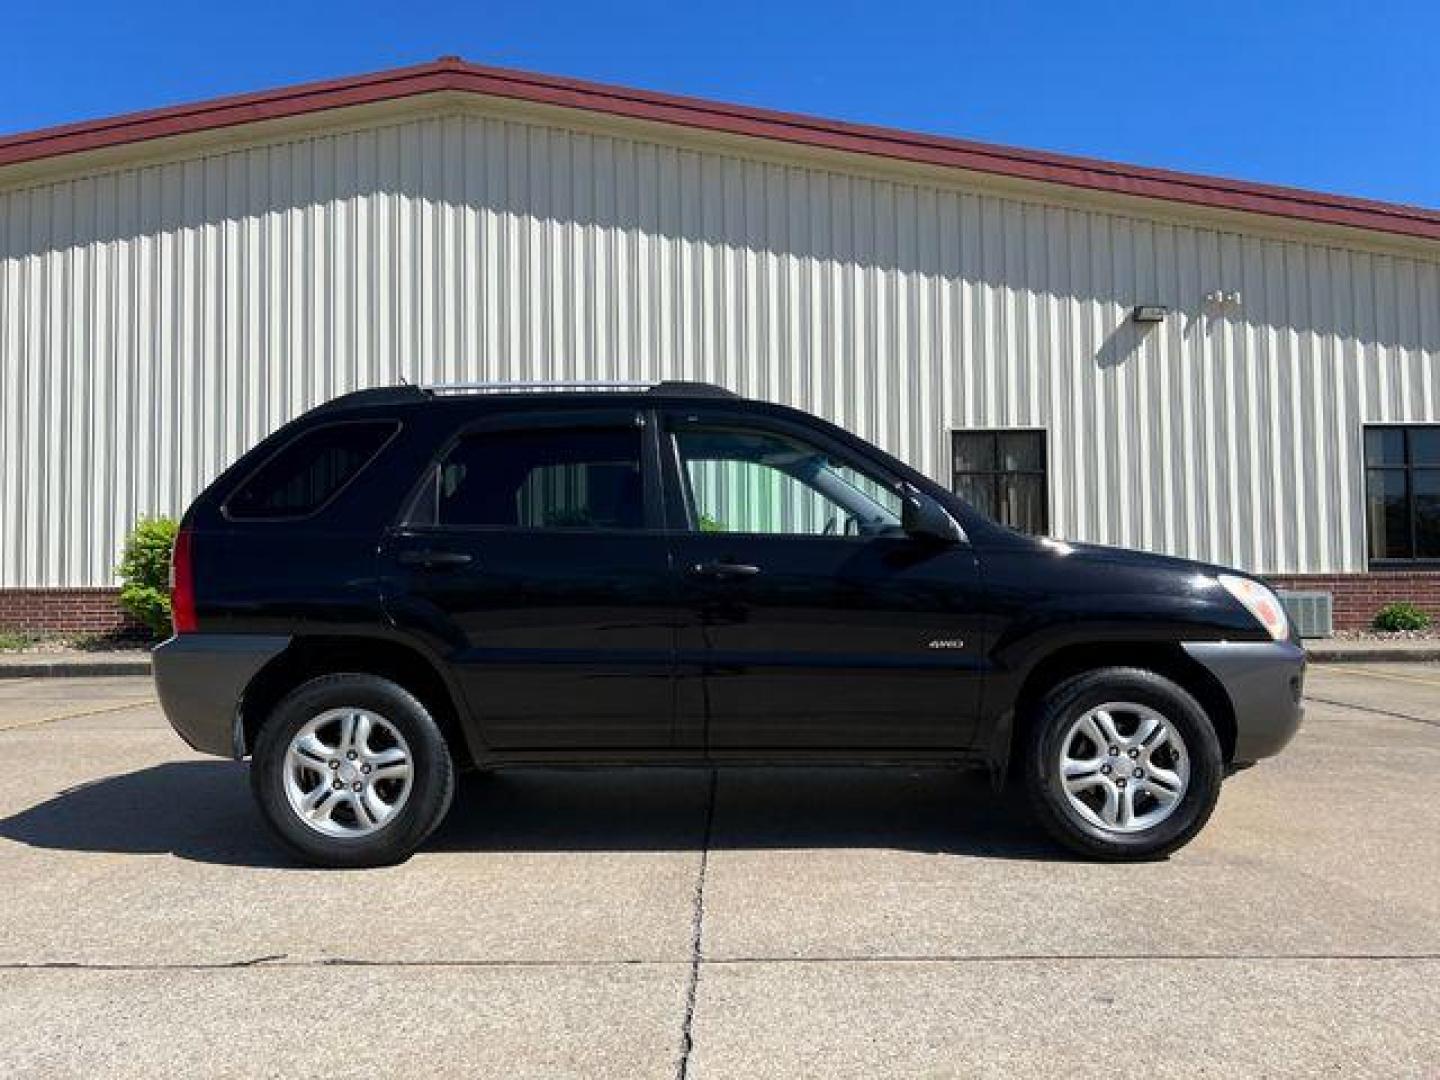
(724,570)
(433,559)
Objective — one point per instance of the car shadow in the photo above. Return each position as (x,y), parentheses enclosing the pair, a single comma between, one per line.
(203,811)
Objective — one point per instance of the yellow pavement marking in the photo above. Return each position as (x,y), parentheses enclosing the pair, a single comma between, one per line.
(1387,675)
(12,725)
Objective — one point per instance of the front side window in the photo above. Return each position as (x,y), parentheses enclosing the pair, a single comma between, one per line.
(539,479)
(1402,492)
(309,471)
(748,481)
(1002,474)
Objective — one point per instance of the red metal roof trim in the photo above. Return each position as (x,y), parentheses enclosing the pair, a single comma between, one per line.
(456,75)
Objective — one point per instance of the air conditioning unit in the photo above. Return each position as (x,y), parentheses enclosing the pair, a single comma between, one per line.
(1312,612)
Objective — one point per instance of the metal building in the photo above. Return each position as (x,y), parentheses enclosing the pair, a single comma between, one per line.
(1211,368)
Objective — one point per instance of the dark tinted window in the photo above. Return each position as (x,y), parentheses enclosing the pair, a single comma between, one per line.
(1425,445)
(1426,495)
(1385,446)
(1402,491)
(1387,506)
(310,470)
(542,479)
(1002,474)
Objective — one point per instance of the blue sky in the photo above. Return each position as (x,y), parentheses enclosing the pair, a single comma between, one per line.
(1334,96)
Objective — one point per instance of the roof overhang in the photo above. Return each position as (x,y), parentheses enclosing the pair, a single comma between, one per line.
(270,112)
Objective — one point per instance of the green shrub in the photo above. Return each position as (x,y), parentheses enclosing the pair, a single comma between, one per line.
(1395,617)
(145,573)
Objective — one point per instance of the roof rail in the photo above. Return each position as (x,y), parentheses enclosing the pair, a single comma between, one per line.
(408,392)
(521,386)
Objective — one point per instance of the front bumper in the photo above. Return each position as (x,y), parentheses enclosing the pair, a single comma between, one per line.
(201,679)
(1265,681)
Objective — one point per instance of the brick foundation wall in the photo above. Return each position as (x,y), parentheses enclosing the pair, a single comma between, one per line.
(1357,597)
(66,611)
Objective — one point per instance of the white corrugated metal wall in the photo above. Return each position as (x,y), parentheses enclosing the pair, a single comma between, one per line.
(156,321)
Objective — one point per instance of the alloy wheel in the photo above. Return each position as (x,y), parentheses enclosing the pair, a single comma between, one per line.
(348,772)
(1123,767)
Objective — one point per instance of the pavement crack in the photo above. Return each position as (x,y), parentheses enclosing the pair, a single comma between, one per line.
(273,960)
(1078,958)
(23,724)
(282,962)
(540,962)
(697,938)
(1370,709)
(256,961)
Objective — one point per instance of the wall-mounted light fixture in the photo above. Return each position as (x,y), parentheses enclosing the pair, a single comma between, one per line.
(1149,313)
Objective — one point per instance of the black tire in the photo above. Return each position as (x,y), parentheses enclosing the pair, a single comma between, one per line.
(1040,764)
(432,777)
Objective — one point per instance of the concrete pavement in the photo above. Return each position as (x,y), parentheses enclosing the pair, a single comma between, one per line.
(75,663)
(854,922)
(1373,650)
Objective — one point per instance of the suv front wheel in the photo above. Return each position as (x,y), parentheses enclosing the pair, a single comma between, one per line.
(1122,764)
(351,770)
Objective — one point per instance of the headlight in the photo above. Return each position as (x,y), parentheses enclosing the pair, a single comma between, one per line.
(1260,602)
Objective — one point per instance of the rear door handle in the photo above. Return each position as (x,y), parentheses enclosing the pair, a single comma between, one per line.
(433,559)
(724,570)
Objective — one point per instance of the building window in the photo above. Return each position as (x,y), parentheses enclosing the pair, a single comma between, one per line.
(1002,474)
(1402,492)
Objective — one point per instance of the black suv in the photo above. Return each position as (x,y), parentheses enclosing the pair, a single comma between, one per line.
(406,581)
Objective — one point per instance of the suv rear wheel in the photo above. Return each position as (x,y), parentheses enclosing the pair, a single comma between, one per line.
(1122,764)
(351,770)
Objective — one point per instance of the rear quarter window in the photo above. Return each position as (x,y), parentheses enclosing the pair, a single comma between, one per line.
(310,470)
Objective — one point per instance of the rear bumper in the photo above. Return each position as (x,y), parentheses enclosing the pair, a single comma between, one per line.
(1265,681)
(201,679)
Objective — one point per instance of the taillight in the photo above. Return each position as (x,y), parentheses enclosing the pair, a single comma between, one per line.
(182,585)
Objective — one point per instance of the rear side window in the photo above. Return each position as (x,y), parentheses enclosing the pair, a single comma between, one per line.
(540,479)
(309,471)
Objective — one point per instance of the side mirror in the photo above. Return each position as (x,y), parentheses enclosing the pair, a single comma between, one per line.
(924,518)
